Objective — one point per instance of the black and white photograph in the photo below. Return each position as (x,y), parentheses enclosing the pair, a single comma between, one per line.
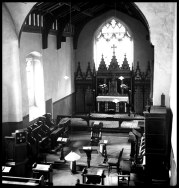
(89,93)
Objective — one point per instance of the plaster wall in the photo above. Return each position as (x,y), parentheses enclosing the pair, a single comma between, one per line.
(11,87)
(173,96)
(34,44)
(18,12)
(143,50)
(56,63)
(160,17)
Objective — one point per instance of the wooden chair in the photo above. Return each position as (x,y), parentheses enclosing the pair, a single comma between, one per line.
(96,135)
(115,162)
(125,170)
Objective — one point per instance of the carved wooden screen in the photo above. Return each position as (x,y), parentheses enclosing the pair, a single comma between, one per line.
(91,84)
(142,89)
(85,90)
(107,79)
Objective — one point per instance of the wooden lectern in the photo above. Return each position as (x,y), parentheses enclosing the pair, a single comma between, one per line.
(88,150)
(62,141)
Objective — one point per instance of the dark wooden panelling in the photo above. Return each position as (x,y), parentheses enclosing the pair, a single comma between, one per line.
(64,106)
(26,121)
(9,127)
(156,143)
(80,101)
(49,106)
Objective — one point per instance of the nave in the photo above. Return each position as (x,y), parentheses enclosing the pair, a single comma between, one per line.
(58,171)
(62,173)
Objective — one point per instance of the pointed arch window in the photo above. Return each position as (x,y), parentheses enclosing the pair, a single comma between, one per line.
(113,32)
(35,85)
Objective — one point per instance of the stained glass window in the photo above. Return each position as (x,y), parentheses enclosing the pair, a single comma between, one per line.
(113,33)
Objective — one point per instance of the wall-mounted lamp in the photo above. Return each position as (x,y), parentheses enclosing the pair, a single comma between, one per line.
(66,77)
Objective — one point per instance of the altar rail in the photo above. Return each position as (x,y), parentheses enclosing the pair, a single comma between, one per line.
(21,181)
(87,118)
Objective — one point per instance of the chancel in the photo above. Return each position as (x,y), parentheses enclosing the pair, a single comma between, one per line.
(83,81)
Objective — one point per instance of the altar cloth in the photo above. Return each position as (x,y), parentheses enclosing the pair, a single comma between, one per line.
(112,98)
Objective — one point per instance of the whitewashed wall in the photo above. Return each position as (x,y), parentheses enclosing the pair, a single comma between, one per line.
(11,87)
(160,17)
(56,63)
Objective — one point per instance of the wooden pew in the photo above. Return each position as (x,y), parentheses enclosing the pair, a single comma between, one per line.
(54,136)
(61,131)
(42,143)
(49,121)
(65,123)
(21,181)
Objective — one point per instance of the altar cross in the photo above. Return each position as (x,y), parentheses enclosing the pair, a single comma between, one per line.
(113,49)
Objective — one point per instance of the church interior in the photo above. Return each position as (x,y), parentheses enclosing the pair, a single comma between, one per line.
(89,93)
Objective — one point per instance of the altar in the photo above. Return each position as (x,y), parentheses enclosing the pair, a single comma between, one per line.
(116,100)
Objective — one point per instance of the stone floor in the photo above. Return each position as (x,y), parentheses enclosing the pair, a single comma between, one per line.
(62,175)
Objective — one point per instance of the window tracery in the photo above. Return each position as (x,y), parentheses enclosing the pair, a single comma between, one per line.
(111,33)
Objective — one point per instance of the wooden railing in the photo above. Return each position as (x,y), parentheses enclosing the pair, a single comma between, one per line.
(11,180)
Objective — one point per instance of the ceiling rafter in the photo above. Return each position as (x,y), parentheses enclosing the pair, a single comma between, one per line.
(78,14)
(42,6)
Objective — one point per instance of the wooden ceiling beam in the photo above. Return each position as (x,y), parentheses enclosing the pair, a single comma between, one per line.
(42,6)
(50,7)
(77,8)
(48,21)
(61,26)
(58,5)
